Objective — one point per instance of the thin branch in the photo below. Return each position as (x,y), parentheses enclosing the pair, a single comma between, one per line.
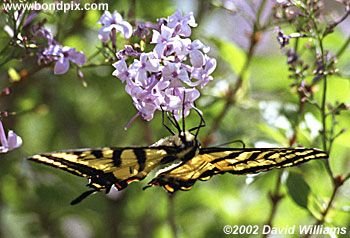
(343,48)
(346,177)
(275,198)
(331,27)
(323,110)
(338,182)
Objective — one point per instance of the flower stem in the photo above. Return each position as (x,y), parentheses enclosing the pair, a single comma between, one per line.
(275,198)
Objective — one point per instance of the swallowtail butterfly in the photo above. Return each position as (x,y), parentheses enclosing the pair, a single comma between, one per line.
(182,157)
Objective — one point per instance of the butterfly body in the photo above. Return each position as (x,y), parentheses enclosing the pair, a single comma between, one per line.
(181,158)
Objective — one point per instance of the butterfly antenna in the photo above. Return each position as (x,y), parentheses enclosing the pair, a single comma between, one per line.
(175,122)
(163,122)
(232,142)
(201,123)
(183,112)
(172,120)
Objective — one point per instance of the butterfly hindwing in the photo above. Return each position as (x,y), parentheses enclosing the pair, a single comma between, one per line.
(211,161)
(184,175)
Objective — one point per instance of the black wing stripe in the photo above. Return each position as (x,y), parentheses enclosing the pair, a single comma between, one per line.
(116,158)
(141,158)
(230,156)
(285,163)
(71,167)
(99,179)
(254,156)
(296,159)
(235,161)
(97,153)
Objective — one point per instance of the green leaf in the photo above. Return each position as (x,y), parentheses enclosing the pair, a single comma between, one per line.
(231,53)
(298,189)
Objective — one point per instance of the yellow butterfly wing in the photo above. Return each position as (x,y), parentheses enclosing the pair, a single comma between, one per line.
(211,161)
(106,166)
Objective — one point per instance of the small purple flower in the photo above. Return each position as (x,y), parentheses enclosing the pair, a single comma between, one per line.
(49,54)
(62,56)
(144,29)
(146,107)
(195,49)
(111,24)
(121,70)
(11,142)
(147,63)
(67,55)
(127,51)
(182,24)
(179,97)
(162,39)
(203,74)
(54,52)
(175,71)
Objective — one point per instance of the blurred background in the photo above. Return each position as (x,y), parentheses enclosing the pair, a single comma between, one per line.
(56,112)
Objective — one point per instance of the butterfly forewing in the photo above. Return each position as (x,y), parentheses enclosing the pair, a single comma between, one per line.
(211,161)
(106,166)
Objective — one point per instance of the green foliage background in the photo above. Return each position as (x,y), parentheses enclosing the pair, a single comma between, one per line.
(58,112)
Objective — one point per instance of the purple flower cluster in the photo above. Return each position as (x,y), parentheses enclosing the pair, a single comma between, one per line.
(166,78)
(54,52)
(11,142)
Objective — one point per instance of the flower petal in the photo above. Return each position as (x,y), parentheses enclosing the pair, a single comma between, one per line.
(14,141)
(61,66)
(3,138)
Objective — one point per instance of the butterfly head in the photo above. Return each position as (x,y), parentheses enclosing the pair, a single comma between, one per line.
(182,141)
(188,140)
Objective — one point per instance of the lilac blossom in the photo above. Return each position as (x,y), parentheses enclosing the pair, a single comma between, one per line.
(11,142)
(175,71)
(182,24)
(65,56)
(121,70)
(127,51)
(203,74)
(111,24)
(147,63)
(166,78)
(142,29)
(163,40)
(54,52)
